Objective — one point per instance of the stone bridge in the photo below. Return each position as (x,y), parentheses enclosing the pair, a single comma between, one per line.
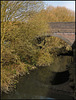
(63,30)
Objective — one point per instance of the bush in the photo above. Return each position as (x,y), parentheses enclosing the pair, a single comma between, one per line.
(45,59)
(9,58)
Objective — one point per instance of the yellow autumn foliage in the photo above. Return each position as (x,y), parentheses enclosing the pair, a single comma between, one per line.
(21,23)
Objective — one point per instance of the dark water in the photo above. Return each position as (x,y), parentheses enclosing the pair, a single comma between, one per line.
(36,85)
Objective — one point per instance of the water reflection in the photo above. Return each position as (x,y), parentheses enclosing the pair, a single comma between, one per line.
(60,78)
(37,84)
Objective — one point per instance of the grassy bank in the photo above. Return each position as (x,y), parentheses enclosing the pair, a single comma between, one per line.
(11,73)
(14,65)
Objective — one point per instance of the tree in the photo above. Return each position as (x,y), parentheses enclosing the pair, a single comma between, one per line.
(17,11)
(59,14)
(20,24)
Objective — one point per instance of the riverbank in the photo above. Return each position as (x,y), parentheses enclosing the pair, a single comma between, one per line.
(39,84)
(11,74)
(13,67)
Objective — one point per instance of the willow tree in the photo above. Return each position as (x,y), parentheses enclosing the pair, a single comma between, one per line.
(17,11)
(20,23)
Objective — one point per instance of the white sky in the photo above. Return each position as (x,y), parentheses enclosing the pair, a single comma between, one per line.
(68,4)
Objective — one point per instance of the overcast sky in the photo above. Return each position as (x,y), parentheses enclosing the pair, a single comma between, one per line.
(68,4)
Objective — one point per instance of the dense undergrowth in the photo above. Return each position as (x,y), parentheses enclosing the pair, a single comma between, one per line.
(19,52)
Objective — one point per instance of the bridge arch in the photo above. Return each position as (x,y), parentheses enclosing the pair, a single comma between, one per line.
(59,36)
(69,38)
(62,38)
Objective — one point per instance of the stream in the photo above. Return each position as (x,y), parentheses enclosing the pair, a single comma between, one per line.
(45,82)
